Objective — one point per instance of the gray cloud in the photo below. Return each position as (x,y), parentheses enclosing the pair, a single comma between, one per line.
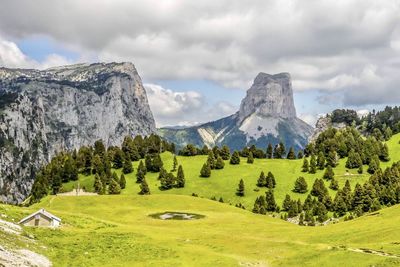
(347,46)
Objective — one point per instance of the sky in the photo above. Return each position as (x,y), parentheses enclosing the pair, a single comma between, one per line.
(198,58)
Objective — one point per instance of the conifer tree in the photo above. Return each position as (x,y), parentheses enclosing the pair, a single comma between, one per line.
(140,176)
(331,159)
(97,165)
(304,168)
(300,186)
(301,219)
(329,174)
(250,158)
(235,159)
(167,182)
(270,180)
(122,181)
(157,163)
(286,203)
(219,164)
(300,154)
(262,181)
(211,160)
(313,165)
(291,154)
(269,151)
(180,178)
(175,164)
(118,160)
(142,167)
(127,166)
(114,188)
(360,169)
(225,153)
(321,161)
(334,185)
(205,170)
(373,165)
(240,190)
(162,174)
(115,177)
(270,200)
(144,188)
(98,185)
(148,162)
(384,156)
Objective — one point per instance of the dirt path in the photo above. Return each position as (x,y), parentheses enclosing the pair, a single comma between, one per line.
(374,252)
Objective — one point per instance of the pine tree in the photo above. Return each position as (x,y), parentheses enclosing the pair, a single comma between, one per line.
(304,168)
(205,170)
(334,185)
(300,186)
(301,219)
(313,165)
(360,169)
(269,151)
(118,159)
(384,156)
(180,178)
(162,174)
(122,181)
(97,165)
(240,190)
(331,159)
(321,161)
(339,204)
(300,154)
(291,154)
(115,177)
(140,176)
(286,203)
(219,164)
(270,200)
(167,182)
(373,165)
(211,160)
(225,153)
(127,167)
(148,162)
(329,174)
(114,188)
(144,188)
(270,180)
(98,185)
(142,167)
(235,159)
(261,180)
(157,163)
(175,164)
(250,158)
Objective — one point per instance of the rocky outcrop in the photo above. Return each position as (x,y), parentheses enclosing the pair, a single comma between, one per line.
(323,124)
(43,112)
(270,95)
(267,115)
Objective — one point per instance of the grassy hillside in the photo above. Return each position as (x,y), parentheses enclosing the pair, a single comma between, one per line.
(223,183)
(116,231)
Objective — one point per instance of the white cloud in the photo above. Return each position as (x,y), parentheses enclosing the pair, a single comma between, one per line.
(183,108)
(12,57)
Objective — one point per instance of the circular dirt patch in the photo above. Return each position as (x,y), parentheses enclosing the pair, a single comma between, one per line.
(173,215)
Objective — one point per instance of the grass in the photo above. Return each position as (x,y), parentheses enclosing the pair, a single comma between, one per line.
(118,231)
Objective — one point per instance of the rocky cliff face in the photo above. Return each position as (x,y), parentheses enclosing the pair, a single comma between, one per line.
(267,115)
(270,95)
(43,112)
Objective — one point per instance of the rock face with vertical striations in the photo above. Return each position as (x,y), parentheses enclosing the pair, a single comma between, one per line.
(267,115)
(43,112)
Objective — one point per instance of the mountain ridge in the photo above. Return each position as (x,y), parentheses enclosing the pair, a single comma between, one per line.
(64,108)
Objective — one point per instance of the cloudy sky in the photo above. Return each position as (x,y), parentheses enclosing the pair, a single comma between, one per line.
(198,58)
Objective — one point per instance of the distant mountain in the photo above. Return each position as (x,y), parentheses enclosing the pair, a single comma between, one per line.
(43,112)
(267,115)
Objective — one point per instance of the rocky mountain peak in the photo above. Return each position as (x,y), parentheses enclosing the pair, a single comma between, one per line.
(269,96)
(45,111)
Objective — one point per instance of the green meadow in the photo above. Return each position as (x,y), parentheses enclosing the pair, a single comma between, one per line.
(116,230)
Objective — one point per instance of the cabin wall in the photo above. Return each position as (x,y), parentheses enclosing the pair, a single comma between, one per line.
(43,221)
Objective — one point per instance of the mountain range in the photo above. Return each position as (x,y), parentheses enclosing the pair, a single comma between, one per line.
(43,112)
(267,115)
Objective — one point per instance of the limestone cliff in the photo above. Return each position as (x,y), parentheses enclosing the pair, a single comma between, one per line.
(43,112)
